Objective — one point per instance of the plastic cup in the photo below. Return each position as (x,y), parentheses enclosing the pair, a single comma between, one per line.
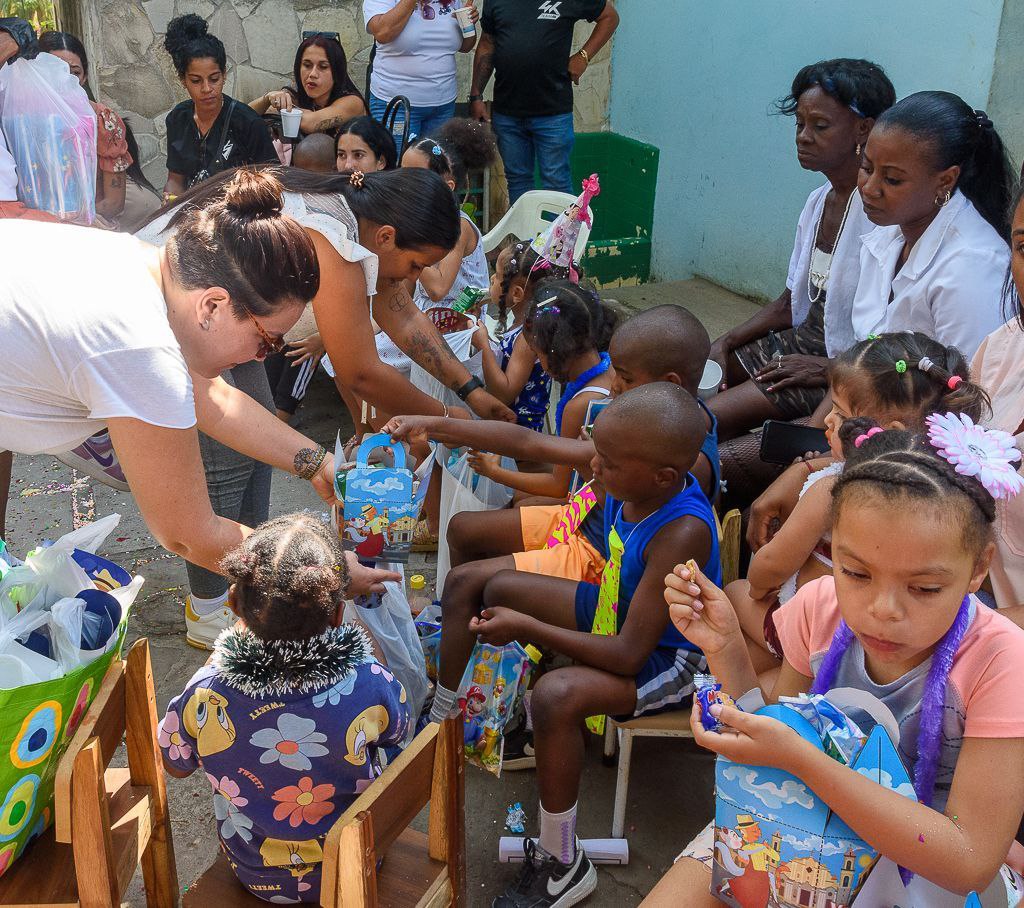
(290,121)
(467,25)
(710,380)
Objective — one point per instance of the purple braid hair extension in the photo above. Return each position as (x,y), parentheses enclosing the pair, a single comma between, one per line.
(829,668)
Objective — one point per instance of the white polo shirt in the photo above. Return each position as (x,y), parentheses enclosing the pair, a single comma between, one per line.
(8,170)
(950,287)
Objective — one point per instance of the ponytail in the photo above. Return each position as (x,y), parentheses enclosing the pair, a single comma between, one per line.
(417,203)
(960,136)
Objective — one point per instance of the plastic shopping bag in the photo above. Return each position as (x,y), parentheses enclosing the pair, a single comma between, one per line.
(389,618)
(51,131)
(463,490)
(54,572)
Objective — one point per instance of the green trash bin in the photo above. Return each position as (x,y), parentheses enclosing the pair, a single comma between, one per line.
(619,251)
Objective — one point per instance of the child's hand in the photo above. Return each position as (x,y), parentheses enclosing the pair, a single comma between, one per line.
(484,464)
(750,739)
(700,611)
(308,348)
(411,429)
(498,626)
(481,338)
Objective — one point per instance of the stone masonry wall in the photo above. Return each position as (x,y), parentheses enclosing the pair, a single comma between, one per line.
(132,72)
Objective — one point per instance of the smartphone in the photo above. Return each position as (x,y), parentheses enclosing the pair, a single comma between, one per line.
(784,442)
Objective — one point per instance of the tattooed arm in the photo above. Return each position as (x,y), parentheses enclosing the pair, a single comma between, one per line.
(332,116)
(416,335)
(110,189)
(483,67)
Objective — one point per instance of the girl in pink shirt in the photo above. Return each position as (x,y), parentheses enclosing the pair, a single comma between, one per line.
(911,543)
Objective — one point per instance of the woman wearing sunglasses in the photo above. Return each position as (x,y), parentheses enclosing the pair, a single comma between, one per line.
(139,350)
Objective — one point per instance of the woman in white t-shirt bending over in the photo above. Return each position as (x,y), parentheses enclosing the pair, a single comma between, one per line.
(416,45)
(98,329)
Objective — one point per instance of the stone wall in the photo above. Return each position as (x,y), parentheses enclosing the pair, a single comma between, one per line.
(133,74)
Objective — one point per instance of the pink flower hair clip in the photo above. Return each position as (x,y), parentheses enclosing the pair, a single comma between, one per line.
(988,455)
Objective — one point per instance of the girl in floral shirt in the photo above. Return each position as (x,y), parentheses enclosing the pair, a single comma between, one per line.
(289,718)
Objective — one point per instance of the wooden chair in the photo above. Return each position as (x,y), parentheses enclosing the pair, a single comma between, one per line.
(671,724)
(426,871)
(107,821)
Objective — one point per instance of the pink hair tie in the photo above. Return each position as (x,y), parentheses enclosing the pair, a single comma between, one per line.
(860,439)
(954,380)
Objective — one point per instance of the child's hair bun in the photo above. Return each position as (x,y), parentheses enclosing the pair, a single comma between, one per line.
(252,195)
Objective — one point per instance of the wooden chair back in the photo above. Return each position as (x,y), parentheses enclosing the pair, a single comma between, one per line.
(107,820)
(730,531)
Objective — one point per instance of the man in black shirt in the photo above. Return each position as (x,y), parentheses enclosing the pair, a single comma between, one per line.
(527,44)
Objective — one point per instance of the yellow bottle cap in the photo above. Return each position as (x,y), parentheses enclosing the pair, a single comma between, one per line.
(534,653)
(417,582)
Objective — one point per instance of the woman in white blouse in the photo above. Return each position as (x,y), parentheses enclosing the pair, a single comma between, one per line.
(936,181)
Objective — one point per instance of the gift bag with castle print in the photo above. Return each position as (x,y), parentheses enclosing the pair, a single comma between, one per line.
(380,510)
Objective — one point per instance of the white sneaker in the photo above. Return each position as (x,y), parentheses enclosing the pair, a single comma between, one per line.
(202,631)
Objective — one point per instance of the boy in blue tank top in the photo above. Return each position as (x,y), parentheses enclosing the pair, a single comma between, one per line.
(655,516)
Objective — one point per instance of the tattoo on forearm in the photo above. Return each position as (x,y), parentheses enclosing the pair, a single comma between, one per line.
(483,67)
(426,352)
(331,123)
(116,181)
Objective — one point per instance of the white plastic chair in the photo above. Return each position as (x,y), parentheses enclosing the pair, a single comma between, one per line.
(525,219)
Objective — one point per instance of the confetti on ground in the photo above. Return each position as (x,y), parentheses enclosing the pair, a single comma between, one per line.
(54,488)
(84,511)
(920,836)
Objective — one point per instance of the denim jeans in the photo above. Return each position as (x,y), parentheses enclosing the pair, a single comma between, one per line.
(239,486)
(529,142)
(423,121)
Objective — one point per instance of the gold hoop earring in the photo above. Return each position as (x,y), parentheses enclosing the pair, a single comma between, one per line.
(944,199)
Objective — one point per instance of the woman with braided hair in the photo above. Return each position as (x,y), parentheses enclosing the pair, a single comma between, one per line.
(912,542)
(289,717)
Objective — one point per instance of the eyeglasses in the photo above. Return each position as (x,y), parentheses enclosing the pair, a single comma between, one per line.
(336,36)
(271,343)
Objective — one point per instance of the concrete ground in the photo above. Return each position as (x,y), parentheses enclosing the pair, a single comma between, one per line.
(671,795)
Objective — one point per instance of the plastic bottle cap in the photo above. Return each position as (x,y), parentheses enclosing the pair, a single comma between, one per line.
(534,653)
(417,582)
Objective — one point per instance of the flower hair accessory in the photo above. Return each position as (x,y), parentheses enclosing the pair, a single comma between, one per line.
(437,150)
(986,454)
(860,439)
(901,366)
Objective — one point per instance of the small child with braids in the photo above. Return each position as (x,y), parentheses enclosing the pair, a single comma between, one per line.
(896,379)
(289,718)
(911,543)
(568,328)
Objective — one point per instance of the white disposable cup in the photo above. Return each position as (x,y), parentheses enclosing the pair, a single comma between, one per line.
(710,380)
(290,121)
(468,26)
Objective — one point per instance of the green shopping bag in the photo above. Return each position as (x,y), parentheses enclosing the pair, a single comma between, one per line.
(38,721)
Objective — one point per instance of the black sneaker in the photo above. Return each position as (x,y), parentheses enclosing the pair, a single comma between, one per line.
(518,752)
(545,882)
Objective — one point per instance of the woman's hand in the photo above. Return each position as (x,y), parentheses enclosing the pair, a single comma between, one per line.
(794,370)
(484,464)
(753,740)
(487,406)
(773,507)
(280,100)
(311,347)
(700,611)
(364,580)
(498,626)
(720,351)
(323,481)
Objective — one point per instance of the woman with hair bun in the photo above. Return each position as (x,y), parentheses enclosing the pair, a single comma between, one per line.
(139,350)
(209,132)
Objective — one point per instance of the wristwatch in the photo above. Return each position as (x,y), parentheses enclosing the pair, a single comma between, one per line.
(473,98)
(469,387)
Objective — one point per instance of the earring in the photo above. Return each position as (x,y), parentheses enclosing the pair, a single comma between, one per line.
(943,199)
(206,325)
(857,152)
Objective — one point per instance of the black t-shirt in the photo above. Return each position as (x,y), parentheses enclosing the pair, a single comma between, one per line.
(532,42)
(244,139)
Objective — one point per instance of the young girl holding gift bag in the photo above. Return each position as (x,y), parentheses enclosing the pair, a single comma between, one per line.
(911,543)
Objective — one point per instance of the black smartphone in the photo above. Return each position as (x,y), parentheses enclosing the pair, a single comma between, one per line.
(784,442)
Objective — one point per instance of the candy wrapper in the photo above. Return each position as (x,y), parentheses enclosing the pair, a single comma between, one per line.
(708,692)
(515,821)
(494,682)
(841,737)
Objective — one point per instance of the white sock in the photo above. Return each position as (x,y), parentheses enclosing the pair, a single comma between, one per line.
(204,607)
(558,833)
(444,703)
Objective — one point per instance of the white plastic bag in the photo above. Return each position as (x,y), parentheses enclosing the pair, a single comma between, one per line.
(51,131)
(20,665)
(50,574)
(463,490)
(389,619)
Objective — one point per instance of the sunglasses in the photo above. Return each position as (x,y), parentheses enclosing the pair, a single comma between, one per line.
(270,343)
(336,36)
